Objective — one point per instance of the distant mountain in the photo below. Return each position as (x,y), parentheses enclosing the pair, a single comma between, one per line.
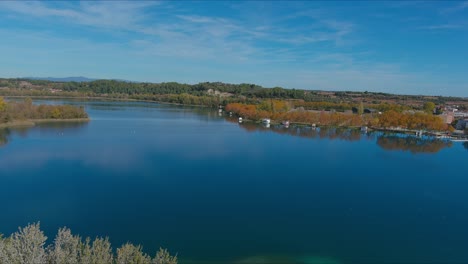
(72,79)
(65,79)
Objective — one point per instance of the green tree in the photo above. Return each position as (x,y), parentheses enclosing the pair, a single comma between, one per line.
(55,113)
(429,107)
(2,105)
(28,101)
(361,108)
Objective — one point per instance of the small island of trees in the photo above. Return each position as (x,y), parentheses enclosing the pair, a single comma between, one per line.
(26,113)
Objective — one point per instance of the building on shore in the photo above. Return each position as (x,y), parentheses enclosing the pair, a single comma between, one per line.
(460,114)
(447,117)
(462,124)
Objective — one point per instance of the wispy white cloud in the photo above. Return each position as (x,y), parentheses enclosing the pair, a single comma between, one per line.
(114,14)
(459,6)
(443,26)
(187,35)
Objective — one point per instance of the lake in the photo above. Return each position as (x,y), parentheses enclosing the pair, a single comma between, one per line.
(216,191)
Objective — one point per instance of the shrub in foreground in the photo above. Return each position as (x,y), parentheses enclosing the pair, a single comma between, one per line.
(28,246)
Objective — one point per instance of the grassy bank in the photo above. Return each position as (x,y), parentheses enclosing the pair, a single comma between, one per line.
(33,122)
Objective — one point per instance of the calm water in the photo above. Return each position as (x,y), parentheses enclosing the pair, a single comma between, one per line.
(219,192)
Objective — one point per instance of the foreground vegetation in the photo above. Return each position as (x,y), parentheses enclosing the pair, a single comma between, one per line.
(28,246)
(15,112)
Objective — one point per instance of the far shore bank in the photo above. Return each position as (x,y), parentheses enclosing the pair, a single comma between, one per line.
(33,122)
(100,98)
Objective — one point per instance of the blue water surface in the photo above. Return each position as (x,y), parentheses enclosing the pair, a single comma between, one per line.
(215,191)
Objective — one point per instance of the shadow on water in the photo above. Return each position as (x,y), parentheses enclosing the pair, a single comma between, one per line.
(43,128)
(385,140)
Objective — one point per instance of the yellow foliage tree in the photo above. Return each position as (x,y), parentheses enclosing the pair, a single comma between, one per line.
(2,104)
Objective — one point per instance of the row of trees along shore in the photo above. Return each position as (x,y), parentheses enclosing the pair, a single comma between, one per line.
(283,110)
(26,110)
(28,246)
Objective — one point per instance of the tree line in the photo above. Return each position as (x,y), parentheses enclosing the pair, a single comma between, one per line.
(254,112)
(243,90)
(417,120)
(389,119)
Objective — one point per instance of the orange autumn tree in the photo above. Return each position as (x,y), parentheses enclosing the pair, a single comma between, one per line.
(279,110)
(416,120)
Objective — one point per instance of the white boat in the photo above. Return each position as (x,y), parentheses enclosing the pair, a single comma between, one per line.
(240,119)
(266,121)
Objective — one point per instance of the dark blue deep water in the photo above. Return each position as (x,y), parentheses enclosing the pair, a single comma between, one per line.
(215,191)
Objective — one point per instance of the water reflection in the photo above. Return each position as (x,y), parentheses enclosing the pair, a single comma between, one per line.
(387,141)
(46,128)
(309,132)
(412,144)
(4,133)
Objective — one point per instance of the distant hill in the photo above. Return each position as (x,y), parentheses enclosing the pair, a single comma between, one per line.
(72,79)
(65,79)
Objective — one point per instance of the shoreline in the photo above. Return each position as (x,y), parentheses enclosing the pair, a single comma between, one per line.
(100,98)
(86,98)
(34,122)
(368,128)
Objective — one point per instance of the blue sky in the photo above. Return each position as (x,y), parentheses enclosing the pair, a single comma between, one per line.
(409,47)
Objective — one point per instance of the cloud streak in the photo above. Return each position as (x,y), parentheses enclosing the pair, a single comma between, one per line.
(461,6)
(443,27)
(123,15)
